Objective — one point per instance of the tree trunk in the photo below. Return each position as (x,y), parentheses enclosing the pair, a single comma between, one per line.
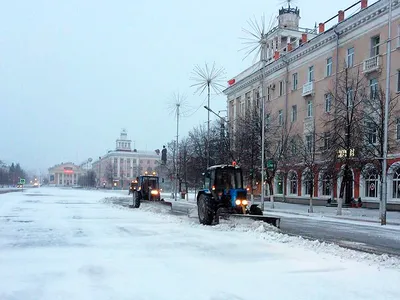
(271,195)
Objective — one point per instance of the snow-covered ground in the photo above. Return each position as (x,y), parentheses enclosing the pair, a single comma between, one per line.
(74,244)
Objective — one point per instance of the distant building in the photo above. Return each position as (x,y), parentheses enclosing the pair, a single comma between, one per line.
(120,166)
(65,174)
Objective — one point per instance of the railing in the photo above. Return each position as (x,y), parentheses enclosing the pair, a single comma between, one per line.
(371,64)
(308,88)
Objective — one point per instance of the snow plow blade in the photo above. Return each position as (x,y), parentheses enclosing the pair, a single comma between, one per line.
(160,202)
(275,221)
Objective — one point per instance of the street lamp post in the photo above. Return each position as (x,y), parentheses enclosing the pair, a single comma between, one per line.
(385,138)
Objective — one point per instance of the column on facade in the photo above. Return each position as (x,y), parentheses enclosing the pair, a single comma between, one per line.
(62,181)
(279,42)
(270,51)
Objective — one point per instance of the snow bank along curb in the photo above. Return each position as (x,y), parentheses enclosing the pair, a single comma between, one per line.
(268,233)
(329,217)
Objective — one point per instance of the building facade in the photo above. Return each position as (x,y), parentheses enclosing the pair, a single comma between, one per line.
(299,70)
(117,168)
(65,174)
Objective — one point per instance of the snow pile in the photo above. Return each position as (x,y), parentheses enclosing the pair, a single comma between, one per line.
(269,233)
(273,235)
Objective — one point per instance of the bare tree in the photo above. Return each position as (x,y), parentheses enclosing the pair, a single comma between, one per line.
(109,173)
(343,127)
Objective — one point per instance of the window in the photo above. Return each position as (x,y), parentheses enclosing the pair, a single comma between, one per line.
(326,185)
(398,129)
(309,143)
(375,45)
(349,98)
(310,76)
(309,108)
(398,35)
(293,147)
(396,184)
(279,183)
(328,102)
(280,117)
(350,57)
(268,93)
(371,183)
(308,183)
(292,183)
(280,88)
(373,88)
(242,108)
(371,133)
(327,141)
(398,80)
(257,96)
(329,66)
(294,81)
(267,119)
(248,100)
(294,113)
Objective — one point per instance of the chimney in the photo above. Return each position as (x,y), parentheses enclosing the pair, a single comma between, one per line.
(321,27)
(276,55)
(340,15)
(304,38)
(364,4)
(289,47)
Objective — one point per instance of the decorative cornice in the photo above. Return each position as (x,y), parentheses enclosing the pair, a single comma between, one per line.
(350,24)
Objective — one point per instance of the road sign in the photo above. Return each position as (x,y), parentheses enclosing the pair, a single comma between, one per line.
(270,164)
(21,181)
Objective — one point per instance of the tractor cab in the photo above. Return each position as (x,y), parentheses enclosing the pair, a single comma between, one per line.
(148,187)
(225,184)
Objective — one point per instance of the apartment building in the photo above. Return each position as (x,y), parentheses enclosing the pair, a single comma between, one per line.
(299,69)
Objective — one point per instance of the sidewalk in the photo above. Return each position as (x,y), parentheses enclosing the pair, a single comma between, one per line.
(352,214)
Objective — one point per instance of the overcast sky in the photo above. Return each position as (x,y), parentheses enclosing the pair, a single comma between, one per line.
(74,73)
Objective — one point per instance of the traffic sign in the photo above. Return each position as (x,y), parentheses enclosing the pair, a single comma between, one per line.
(270,164)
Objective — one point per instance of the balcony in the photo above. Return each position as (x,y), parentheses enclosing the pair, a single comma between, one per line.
(371,64)
(308,88)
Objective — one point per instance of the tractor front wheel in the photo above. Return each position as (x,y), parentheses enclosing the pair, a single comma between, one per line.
(255,210)
(136,200)
(205,210)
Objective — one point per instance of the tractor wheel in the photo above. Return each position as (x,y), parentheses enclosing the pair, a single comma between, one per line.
(136,200)
(205,210)
(255,210)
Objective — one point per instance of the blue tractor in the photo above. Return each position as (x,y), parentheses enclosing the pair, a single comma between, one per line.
(224,195)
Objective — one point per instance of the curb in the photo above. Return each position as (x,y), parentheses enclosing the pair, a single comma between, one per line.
(333,217)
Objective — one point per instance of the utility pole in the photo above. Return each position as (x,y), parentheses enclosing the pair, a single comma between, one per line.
(208,126)
(263,138)
(385,139)
(177,152)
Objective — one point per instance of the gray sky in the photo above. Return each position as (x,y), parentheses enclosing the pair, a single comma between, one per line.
(74,73)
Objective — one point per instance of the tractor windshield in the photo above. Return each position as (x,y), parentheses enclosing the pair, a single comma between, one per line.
(229,178)
(150,182)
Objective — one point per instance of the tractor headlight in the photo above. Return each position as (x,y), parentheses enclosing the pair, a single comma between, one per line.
(237,202)
(154,192)
(244,202)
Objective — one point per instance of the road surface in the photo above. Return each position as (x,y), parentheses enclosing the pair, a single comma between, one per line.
(354,235)
(71,244)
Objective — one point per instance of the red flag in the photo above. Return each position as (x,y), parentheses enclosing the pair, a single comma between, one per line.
(231,81)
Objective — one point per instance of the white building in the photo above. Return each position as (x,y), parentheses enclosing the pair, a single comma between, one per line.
(65,174)
(120,166)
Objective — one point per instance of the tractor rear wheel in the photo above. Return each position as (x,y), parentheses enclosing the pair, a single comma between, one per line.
(136,200)
(205,210)
(255,210)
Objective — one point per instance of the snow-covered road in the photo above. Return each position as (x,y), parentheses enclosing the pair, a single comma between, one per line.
(71,244)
